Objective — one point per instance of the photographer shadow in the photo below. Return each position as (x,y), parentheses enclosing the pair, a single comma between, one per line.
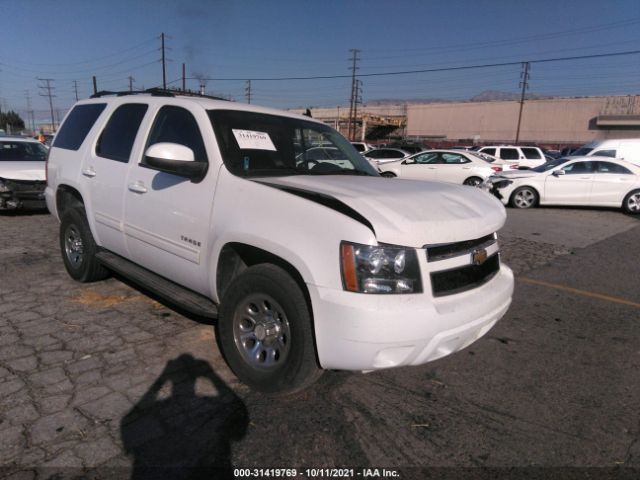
(185,435)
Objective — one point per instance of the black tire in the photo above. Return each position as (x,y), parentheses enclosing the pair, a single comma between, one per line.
(631,203)
(388,175)
(78,247)
(473,181)
(524,197)
(265,332)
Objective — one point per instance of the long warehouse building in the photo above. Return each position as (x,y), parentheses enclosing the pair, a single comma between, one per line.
(552,121)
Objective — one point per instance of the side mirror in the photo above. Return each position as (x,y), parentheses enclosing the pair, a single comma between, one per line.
(558,173)
(175,159)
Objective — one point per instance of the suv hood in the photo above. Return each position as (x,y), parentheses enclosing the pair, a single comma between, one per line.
(22,170)
(408,212)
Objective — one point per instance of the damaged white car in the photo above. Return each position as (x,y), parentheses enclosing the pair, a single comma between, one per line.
(308,261)
(580,181)
(22,173)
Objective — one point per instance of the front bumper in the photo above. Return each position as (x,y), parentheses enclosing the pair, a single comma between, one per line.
(22,194)
(369,332)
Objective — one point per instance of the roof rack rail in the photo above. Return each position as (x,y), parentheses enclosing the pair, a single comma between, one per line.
(155,92)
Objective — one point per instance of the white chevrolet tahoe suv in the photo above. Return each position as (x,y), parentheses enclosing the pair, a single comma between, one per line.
(307,264)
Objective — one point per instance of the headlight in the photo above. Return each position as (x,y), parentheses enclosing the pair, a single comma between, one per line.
(502,183)
(379,269)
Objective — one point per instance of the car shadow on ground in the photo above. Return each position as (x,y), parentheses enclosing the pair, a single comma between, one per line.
(174,433)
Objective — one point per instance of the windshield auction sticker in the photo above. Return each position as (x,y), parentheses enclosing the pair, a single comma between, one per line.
(248,139)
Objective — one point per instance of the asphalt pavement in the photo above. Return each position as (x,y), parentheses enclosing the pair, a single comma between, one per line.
(101,379)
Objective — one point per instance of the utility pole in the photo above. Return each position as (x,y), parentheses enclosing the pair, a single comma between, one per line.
(75,88)
(164,69)
(354,94)
(524,84)
(29,111)
(247,91)
(47,87)
(131,79)
(184,77)
(358,100)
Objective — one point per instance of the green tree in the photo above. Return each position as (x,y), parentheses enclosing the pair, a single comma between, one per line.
(11,119)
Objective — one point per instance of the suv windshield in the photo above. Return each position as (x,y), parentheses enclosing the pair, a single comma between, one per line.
(256,144)
(22,152)
(581,151)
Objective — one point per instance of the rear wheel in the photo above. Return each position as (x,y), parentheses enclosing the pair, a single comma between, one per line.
(473,181)
(264,331)
(524,197)
(631,203)
(78,247)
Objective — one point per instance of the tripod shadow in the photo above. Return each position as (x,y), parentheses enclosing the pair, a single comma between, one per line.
(184,436)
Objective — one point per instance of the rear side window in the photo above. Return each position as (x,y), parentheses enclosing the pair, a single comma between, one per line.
(77,125)
(608,167)
(605,153)
(116,140)
(531,153)
(509,154)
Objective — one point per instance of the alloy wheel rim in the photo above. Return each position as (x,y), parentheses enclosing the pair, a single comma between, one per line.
(524,198)
(261,332)
(633,204)
(73,246)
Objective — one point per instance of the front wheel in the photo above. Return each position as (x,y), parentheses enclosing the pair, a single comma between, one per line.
(473,181)
(631,203)
(524,197)
(265,331)
(388,175)
(78,247)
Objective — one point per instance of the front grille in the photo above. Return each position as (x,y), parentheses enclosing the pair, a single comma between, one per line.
(25,185)
(449,250)
(460,279)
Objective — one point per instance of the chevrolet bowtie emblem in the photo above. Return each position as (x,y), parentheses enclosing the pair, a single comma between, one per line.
(479,256)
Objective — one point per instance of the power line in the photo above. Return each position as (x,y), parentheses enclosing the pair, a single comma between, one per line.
(429,70)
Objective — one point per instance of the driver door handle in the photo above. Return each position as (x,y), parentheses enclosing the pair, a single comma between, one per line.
(89,172)
(137,187)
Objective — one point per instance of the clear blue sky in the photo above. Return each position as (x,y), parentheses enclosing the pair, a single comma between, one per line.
(72,40)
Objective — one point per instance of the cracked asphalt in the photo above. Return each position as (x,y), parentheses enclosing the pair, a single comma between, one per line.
(102,380)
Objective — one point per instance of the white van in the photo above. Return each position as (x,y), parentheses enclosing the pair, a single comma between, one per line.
(623,148)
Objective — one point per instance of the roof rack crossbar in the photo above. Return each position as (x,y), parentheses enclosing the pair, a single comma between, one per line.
(154,92)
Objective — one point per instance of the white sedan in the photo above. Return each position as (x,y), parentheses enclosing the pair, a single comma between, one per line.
(589,181)
(452,166)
